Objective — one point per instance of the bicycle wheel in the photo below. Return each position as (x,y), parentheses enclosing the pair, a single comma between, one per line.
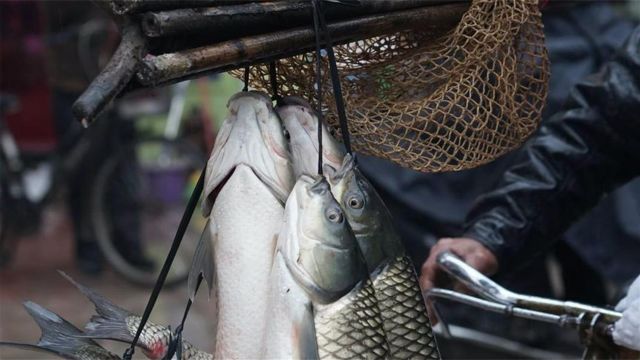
(138,200)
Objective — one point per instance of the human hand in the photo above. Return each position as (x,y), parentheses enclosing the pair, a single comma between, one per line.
(469,250)
(632,294)
(626,332)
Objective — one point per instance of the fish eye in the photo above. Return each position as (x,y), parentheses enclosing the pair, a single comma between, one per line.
(286,134)
(334,215)
(355,202)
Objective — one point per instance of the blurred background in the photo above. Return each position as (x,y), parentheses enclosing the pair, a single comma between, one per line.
(103,203)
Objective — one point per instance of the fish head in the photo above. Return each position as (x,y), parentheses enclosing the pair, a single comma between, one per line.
(251,135)
(365,211)
(322,251)
(301,122)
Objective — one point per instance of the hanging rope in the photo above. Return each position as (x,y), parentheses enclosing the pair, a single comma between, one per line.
(273,78)
(245,88)
(335,77)
(175,344)
(182,228)
(316,29)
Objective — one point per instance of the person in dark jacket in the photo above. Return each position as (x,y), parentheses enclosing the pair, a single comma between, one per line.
(576,158)
(580,38)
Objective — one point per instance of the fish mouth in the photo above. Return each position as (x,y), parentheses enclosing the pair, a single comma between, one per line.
(320,186)
(257,95)
(296,100)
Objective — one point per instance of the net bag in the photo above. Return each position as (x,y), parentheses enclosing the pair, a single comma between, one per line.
(447,104)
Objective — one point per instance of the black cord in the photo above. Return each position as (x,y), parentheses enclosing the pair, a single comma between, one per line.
(273,78)
(175,344)
(316,29)
(184,222)
(335,81)
(246,79)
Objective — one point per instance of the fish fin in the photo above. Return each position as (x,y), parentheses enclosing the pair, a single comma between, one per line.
(307,335)
(202,264)
(333,175)
(58,335)
(329,171)
(111,321)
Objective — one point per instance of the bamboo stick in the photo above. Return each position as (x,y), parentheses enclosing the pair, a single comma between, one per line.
(167,67)
(127,7)
(262,17)
(114,77)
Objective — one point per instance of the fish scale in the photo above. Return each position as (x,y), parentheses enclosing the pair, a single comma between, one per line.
(402,307)
(89,352)
(351,327)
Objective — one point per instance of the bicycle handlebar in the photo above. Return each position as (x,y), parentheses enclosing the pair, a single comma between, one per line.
(489,289)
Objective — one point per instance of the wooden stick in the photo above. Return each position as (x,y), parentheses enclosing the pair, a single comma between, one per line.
(167,67)
(114,77)
(126,7)
(253,18)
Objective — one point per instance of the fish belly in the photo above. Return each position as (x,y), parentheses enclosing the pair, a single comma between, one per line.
(351,327)
(248,218)
(291,333)
(403,312)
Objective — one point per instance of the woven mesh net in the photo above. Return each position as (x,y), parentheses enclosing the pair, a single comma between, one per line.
(435,105)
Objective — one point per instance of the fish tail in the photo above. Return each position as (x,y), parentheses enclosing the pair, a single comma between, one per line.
(111,320)
(202,264)
(58,335)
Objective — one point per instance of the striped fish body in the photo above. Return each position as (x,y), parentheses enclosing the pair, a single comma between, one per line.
(89,352)
(403,311)
(155,340)
(351,327)
(396,286)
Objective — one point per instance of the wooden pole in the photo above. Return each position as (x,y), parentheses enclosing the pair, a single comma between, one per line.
(262,17)
(165,68)
(114,77)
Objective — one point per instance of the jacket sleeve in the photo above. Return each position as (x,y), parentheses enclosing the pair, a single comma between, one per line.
(575,158)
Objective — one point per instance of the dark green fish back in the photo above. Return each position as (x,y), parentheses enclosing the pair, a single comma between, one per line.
(351,328)
(404,314)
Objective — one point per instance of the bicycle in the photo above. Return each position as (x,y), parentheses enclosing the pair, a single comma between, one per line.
(159,169)
(593,324)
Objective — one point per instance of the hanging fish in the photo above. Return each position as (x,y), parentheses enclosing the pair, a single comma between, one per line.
(248,180)
(301,122)
(323,258)
(114,323)
(406,322)
(59,337)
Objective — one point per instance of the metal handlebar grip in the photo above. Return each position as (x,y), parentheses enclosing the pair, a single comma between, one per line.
(489,289)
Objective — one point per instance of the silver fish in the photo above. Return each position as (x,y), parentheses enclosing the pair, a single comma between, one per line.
(322,256)
(248,180)
(398,294)
(114,323)
(301,122)
(59,337)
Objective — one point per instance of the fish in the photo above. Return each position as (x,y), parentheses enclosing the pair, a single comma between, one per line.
(59,337)
(406,323)
(301,122)
(247,182)
(405,317)
(322,256)
(115,323)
